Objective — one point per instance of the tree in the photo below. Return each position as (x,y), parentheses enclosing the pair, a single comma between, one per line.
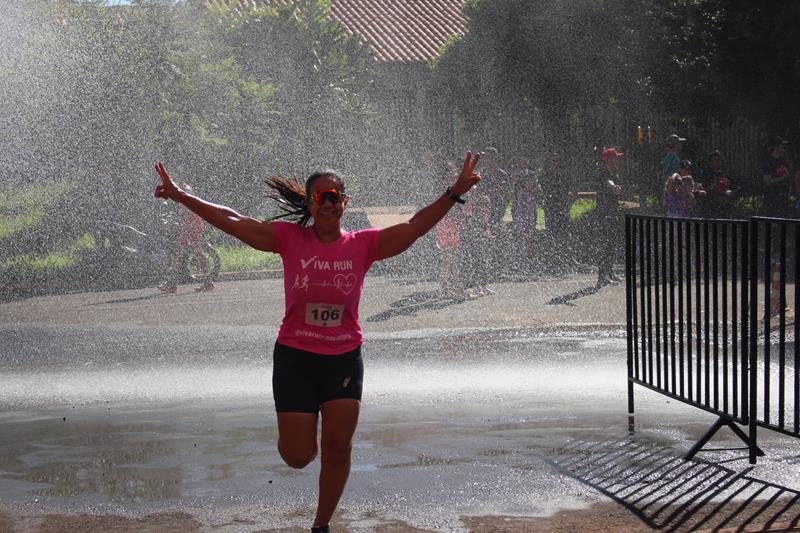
(727,58)
(97,94)
(530,77)
(273,90)
(322,77)
(545,63)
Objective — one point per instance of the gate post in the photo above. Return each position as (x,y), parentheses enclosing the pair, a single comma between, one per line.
(753,332)
(630,288)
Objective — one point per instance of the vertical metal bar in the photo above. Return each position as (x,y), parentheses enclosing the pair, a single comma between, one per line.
(649,307)
(796,330)
(753,370)
(767,312)
(715,306)
(629,253)
(673,356)
(734,325)
(707,315)
(746,280)
(634,254)
(698,316)
(782,329)
(724,261)
(642,290)
(664,314)
(679,251)
(689,366)
(657,295)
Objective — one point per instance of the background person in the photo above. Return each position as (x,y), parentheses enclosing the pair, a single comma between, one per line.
(673,154)
(448,242)
(776,180)
(525,212)
(719,187)
(670,163)
(607,219)
(497,185)
(558,194)
(317,365)
(478,242)
(188,244)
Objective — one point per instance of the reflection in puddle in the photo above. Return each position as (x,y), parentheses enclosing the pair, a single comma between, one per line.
(118,484)
(158,434)
(125,461)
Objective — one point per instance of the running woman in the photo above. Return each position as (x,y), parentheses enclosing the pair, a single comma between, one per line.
(317,365)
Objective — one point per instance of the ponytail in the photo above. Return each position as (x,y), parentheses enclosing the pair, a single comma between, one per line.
(292,196)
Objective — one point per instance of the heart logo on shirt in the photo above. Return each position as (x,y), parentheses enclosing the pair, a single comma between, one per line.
(345,282)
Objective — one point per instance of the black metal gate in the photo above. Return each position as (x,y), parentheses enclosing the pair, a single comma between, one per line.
(693,301)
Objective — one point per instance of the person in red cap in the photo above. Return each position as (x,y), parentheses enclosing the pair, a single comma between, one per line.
(776,182)
(607,219)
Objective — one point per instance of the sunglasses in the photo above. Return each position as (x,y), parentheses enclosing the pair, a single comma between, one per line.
(332,195)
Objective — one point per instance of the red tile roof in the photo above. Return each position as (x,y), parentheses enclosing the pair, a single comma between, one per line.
(405,31)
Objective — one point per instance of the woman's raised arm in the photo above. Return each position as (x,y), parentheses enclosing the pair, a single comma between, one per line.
(396,239)
(256,233)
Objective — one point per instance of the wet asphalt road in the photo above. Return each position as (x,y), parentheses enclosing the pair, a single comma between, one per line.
(133,402)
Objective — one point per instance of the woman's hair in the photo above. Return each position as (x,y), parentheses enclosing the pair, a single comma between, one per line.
(292,195)
(673,183)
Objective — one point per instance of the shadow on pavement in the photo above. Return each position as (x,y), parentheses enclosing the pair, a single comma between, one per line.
(414,303)
(136,299)
(670,494)
(567,298)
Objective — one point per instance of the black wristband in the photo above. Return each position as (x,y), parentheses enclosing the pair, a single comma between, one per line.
(456,198)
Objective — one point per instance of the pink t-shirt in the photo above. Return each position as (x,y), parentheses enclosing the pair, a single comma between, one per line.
(322,283)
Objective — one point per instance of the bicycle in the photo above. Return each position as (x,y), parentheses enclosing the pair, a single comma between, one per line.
(125,257)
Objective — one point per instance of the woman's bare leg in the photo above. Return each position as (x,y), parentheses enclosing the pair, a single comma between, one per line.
(339,420)
(297,438)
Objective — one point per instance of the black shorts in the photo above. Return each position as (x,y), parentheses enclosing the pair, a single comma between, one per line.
(302,381)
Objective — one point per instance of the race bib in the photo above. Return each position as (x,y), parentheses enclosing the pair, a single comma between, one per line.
(324,315)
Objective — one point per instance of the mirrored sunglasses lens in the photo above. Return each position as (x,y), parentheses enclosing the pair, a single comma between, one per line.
(332,196)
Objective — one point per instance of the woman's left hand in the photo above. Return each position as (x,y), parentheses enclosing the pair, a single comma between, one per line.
(468,177)
(167,189)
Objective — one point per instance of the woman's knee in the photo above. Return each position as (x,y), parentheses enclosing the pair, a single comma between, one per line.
(337,450)
(297,458)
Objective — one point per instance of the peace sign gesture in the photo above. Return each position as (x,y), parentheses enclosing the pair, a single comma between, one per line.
(468,177)
(167,189)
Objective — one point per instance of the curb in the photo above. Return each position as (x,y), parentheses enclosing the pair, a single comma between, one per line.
(251,274)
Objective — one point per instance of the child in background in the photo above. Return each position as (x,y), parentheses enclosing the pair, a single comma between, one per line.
(689,192)
(681,196)
(672,196)
(527,196)
(448,241)
(478,237)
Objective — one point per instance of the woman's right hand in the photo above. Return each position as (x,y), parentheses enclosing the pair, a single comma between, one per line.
(167,189)
(468,178)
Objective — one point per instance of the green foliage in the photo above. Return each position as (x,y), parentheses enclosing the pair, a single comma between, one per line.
(555,55)
(548,75)
(724,58)
(69,256)
(95,96)
(25,207)
(581,208)
(244,258)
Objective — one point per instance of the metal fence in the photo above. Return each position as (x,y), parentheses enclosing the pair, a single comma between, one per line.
(776,352)
(710,316)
